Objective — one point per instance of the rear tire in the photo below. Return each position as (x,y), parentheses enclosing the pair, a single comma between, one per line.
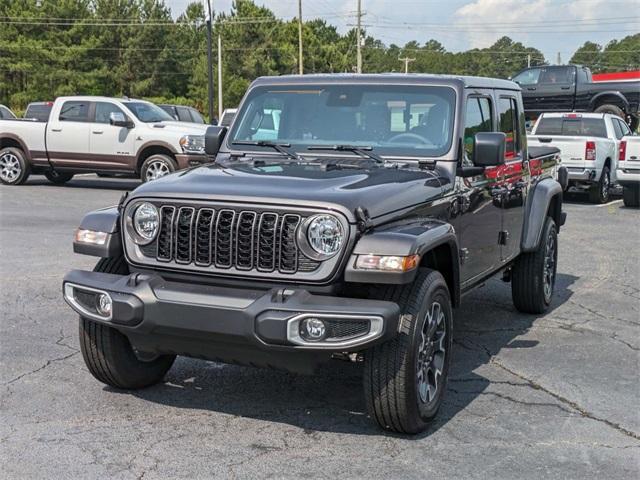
(405,378)
(156,166)
(612,109)
(58,178)
(631,196)
(599,192)
(14,169)
(533,276)
(108,353)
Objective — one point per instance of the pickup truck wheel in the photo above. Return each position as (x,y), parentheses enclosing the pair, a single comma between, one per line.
(405,378)
(156,166)
(631,196)
(58,178)
(533,276)
(614,110)
(599,193)
(14,169)
(108,354)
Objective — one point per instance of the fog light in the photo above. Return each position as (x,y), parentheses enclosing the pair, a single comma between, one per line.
(104,304)
(312,329)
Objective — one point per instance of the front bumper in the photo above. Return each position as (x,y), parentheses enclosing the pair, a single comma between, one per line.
(232,325)
(187,160)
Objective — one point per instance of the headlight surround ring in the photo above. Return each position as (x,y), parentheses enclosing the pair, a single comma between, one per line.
(144,223)
(321,236)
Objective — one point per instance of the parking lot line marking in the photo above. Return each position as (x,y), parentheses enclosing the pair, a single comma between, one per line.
(608,204)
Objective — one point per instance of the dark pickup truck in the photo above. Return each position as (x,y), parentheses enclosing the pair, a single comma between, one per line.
(571,88)
(349,229)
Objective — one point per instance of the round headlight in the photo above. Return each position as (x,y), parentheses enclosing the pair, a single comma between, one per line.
(325,235)
(146,222)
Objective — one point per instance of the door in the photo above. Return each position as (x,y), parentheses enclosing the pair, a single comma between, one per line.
(111,147)
(512,177)
(476,216)
(556,89)
(68,135)
(528,81)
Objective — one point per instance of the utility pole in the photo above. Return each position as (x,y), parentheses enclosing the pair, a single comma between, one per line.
(559,60)
(528,60)
(209,62)
(358,39)
(300,64)
(219,77)
(406,61)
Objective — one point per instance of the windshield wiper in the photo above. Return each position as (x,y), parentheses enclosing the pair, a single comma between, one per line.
(280,147)
(364,151)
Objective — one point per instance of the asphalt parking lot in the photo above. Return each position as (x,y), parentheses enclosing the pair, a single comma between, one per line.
(554,396)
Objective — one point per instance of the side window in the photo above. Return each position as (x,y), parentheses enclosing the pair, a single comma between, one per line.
(508,124)
(104,110)
(625,128)
(617,130)
(477,119)
(554,75)
(195,115)
(4,113)
(183,114)
(74,111)
(528,77)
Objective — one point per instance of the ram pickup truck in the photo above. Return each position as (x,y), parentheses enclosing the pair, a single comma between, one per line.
(351,234)
(99,135)
(571,88)
(589,144)
(628,171)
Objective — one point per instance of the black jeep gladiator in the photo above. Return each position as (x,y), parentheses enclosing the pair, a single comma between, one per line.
(568,88)
(345,218)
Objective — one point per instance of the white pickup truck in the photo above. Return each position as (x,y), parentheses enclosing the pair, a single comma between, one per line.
(99,135)
(628,171)
(589,146)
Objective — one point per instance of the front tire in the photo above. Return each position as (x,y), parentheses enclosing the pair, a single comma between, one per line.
(533,276)
(631,196)
(157,166)
(58,178)
(599,193)
(108,354)
(405,378)
(14,169)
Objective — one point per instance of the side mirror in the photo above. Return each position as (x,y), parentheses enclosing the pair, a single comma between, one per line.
(489,149)
(117,119)
(213,138)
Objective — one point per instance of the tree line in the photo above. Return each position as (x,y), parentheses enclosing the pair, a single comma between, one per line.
(135,48)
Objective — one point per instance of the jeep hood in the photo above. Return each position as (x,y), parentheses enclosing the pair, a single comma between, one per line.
(380,190)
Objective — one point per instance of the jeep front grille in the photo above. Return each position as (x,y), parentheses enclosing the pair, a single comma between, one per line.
(229,238)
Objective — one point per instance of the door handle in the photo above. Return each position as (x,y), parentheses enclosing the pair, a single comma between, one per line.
(565,88)
(56,129)
(531,89)
(98,132)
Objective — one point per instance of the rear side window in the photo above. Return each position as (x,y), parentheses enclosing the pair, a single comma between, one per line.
(577,127)
(197,118)
(508,124)
(183,114)
(617,130)
(74,111)
(39,111)
(552,75)
(623,127)
(478,119)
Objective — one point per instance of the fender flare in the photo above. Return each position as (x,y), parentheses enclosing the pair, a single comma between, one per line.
(105,220)
(404,240)
(18,140)
(614,93)
(536,210)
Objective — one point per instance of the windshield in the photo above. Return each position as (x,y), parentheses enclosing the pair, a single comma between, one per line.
(395,120)
(148,112)
(577,127)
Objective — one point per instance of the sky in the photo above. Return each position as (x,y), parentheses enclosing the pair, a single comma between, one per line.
(551,26)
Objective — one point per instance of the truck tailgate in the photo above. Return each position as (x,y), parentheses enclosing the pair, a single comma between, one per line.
(572,149)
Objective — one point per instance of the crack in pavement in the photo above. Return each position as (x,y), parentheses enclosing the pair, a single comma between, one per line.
(582,411)
(42,367)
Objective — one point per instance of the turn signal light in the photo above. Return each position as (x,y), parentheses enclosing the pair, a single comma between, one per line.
(91,237)
(389,263)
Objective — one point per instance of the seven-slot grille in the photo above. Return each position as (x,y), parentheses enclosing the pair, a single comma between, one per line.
(224,238)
